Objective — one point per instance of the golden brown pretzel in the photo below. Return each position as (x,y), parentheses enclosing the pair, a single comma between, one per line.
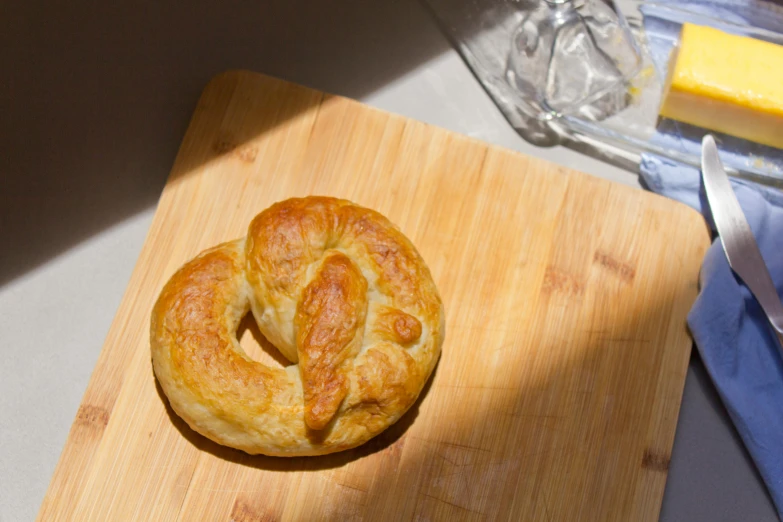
(337,289)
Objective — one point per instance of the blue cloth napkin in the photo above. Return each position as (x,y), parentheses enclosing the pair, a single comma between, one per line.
(730,329)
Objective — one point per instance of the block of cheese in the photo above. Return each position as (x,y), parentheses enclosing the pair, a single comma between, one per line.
(726,83)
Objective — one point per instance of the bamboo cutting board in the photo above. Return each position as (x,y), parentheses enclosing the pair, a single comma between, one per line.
(558,390)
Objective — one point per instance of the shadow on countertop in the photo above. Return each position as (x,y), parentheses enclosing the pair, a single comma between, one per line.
(98,96)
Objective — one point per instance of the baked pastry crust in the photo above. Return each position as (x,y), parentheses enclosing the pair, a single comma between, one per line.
(340,291)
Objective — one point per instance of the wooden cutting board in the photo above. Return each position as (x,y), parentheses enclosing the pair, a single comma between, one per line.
(557,394)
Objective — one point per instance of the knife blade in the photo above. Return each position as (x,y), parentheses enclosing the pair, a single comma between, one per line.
(737,238)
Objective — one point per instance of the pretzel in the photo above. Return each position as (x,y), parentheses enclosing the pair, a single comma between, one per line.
(340,291)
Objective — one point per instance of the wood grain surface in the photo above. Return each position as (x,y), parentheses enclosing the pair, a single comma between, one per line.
(557,394)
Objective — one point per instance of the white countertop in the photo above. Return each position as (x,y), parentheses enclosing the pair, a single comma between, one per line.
(95,102)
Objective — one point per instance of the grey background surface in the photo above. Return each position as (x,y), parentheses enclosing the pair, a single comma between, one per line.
(94,101)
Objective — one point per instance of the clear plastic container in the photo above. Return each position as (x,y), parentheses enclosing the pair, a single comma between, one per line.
(617,107)
(569,54)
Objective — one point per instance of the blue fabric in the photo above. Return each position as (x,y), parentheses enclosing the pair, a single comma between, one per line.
(730,329)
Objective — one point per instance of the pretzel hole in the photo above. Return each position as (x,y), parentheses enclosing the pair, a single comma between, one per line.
(257,347)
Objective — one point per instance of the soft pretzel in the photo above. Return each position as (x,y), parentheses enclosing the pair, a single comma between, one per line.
(338,290)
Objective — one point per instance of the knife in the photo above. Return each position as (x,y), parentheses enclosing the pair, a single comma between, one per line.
(736,237)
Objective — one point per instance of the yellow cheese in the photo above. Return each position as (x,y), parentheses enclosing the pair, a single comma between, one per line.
(727,83)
